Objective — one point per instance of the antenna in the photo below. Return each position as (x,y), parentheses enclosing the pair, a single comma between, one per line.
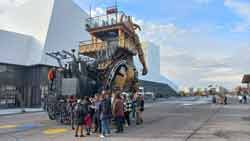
(116,3)
(90,9)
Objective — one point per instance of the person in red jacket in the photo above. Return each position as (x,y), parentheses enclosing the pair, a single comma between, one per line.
(119,113)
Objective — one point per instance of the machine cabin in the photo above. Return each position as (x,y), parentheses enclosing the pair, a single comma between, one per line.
(109,33)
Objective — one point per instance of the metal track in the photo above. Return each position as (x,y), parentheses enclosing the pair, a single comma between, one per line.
(113,72)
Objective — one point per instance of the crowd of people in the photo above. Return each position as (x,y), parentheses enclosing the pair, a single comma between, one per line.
(242,99)
(99,113)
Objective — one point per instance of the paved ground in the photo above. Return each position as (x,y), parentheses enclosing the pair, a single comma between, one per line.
(176,120)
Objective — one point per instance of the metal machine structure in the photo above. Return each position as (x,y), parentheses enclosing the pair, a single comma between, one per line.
(103,63)
(75,77)
(113,44)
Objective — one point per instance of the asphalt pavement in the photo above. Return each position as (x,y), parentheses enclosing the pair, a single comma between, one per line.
(176,119)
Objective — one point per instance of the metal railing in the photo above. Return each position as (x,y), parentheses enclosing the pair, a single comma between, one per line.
(103,51)
(88,46)
(106,20)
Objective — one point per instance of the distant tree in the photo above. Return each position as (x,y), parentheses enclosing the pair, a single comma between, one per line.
(182,93)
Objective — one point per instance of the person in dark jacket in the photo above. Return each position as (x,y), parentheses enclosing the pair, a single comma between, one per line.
(109,103)
(81,112)
(244,99)
(119,113)
(225,100)
(139,108)
(97,120)
(104,116)
(71,107)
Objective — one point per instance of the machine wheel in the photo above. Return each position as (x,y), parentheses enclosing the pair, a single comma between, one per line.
(113,72)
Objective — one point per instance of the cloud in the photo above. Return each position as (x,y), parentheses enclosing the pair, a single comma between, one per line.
(242,9)
(193,57)
(160,33)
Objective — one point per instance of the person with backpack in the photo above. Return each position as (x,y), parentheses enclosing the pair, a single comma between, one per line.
(81,112)
(104,116)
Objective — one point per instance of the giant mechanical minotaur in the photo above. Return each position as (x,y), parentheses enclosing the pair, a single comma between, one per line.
(113,44)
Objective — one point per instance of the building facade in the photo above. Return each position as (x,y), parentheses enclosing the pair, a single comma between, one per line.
(22,85)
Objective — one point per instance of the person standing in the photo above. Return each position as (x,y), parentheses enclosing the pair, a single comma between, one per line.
(134,105)
(79,117)
(139,109)
(240,99)
(127,108)
(104,116)
(142,108)
(88,117)
(72,104)
(225,100)
(244,99)
(97,120)
(88,123)
(81,112)
(109,104)
(119,113)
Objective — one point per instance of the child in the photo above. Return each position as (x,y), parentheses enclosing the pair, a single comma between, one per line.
(88,123)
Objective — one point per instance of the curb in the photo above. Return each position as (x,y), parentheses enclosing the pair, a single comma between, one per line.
(19,113)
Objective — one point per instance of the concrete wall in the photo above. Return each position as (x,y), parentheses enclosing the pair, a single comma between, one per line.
(66,30)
